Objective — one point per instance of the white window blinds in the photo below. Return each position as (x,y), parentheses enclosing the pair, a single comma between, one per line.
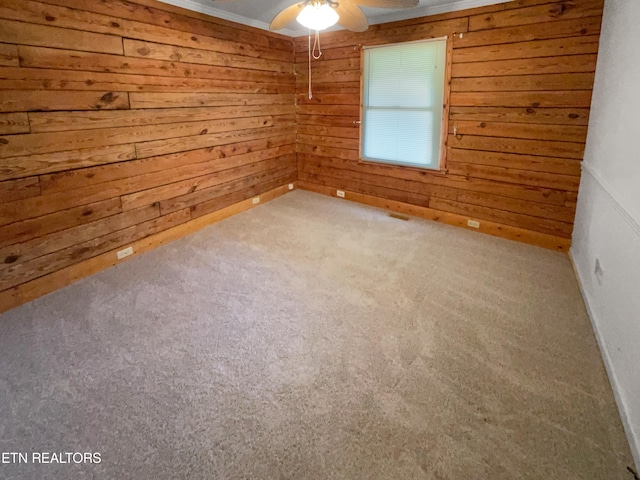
(402,103)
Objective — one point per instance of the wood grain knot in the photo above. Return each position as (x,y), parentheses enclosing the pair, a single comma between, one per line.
(558,10)
(108,97)
(11,258)
(80,252)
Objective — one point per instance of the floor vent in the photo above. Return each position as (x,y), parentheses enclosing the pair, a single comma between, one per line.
(398,216)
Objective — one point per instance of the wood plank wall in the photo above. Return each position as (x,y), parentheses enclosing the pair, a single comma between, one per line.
(521,84)
(120,119)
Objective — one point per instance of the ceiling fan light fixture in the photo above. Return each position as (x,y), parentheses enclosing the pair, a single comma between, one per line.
(318,16)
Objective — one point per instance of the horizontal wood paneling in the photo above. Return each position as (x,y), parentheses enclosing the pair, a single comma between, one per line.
(536,14)
(550,116)
(65,121)
(526,66)
(25,100)
(522,74)
(557,81)
(22,272)
(516,145)
(19,189)
(538,48)
(9,55)
(20,231)
(530,163)
(36,143)
(25,292)
(172,53)
(21,166)
(29,34)
(177,26)
(489,227)
(40,57)
(57,79)
(121,120)
(561,133)
(457,182)
(570,99)
(14,123)
(182,100)
(526,33)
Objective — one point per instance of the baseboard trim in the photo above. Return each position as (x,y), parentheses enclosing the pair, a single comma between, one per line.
(606,359)
(491,228)
(28,291)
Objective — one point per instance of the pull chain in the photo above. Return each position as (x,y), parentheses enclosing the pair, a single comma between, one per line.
(316,44)
(310,95)
(312,53)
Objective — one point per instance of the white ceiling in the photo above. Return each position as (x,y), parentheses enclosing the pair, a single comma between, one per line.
(259,13)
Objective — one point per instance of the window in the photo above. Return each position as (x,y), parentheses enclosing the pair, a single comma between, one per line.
(402,104)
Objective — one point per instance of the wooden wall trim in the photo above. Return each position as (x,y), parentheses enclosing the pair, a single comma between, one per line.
(444,134)
(491,228)
(26,292)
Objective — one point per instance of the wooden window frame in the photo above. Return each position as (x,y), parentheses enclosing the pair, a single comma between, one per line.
(444,133)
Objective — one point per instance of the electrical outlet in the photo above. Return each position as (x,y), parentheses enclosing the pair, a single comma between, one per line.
(125,253)
(291,186)
(255,200)
(473,223)
(340,193)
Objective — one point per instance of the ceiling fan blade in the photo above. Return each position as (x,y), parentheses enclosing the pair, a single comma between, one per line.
(351,17)
(286,16)
(387,3)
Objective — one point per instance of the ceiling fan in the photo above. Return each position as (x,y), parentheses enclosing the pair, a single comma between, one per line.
(321,14)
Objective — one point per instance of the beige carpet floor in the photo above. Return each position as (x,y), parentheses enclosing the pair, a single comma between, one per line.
(314,338)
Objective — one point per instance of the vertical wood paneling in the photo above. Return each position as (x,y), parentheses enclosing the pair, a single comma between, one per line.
(521,82)
(123,119)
